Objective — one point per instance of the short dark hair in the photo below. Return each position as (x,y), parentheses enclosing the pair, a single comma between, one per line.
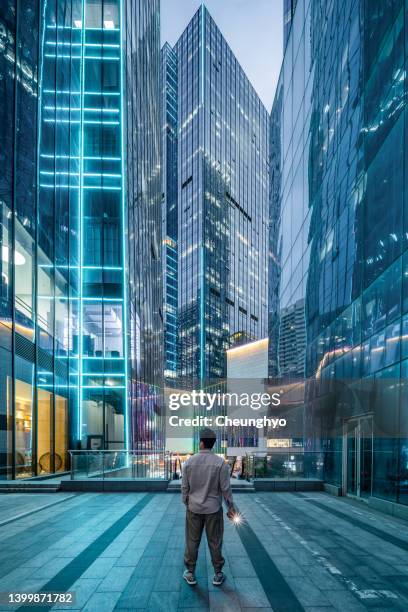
(208,437)
(208,442)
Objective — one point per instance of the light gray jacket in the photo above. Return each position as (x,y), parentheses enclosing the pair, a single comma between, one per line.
(205,481)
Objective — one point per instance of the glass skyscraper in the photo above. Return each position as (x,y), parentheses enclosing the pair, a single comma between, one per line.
(223,199)
(73,366)
(143,222)
(339,149)
(169,93)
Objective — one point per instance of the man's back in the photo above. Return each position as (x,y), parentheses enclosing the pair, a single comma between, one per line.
(205,481)
(205,476)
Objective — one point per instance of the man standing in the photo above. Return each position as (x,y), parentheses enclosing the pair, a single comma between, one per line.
(205,481)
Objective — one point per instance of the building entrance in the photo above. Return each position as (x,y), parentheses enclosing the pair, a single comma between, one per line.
(358,456)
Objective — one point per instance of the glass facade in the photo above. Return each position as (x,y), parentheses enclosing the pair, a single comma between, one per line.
(143,222)
(67,363)
(338,145)
(81,164)
(223,185)
(289,7)
(169,93)
(39,238)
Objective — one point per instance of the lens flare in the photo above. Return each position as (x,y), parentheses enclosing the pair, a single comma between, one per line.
(237,519)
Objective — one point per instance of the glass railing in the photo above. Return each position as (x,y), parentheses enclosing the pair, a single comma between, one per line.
(139,464)
(287,465)
(121,464)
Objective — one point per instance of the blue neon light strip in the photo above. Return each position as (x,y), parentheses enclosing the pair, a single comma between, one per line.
(89,121)
(78,93)
(70,109)
(54,43)
(86,57)
(103,187)
(101,158)
(81,28)
(63,173)
(81,204)
(126,416)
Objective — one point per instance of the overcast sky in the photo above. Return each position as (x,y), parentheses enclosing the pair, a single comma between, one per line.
(252,28)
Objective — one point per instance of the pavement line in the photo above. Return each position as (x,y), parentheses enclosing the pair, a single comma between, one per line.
(383,535)
(362,594)
(29,512)
(65,578)
(366,514)
(277,590)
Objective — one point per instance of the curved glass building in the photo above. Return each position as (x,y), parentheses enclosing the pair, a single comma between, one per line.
(339,195)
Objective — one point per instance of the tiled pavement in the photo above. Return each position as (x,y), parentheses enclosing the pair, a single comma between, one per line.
(295,551)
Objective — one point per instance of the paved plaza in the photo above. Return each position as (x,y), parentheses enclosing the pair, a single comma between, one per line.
(294,551)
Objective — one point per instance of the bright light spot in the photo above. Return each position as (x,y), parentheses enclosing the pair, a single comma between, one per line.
(78,23)
(19,259)
(109,25)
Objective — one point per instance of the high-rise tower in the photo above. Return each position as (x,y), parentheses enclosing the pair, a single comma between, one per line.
(169,93)
(223,176)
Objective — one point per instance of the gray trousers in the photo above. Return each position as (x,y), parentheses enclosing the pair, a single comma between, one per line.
(214,529)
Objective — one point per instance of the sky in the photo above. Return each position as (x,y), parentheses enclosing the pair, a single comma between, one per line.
(252,28)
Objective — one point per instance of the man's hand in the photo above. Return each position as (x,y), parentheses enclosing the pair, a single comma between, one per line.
(231,512)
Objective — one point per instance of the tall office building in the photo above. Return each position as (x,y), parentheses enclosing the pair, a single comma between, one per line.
(142,124)
(343,223)
(68,371)
(223,183)
(169,94)
(275,238)
(289,7)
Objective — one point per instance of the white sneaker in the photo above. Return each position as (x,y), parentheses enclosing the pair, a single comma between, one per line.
(189,578)
(218,579)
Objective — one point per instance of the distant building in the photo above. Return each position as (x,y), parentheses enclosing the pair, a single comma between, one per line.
(169,94)
(223,201)
(247,369)
(292,340)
